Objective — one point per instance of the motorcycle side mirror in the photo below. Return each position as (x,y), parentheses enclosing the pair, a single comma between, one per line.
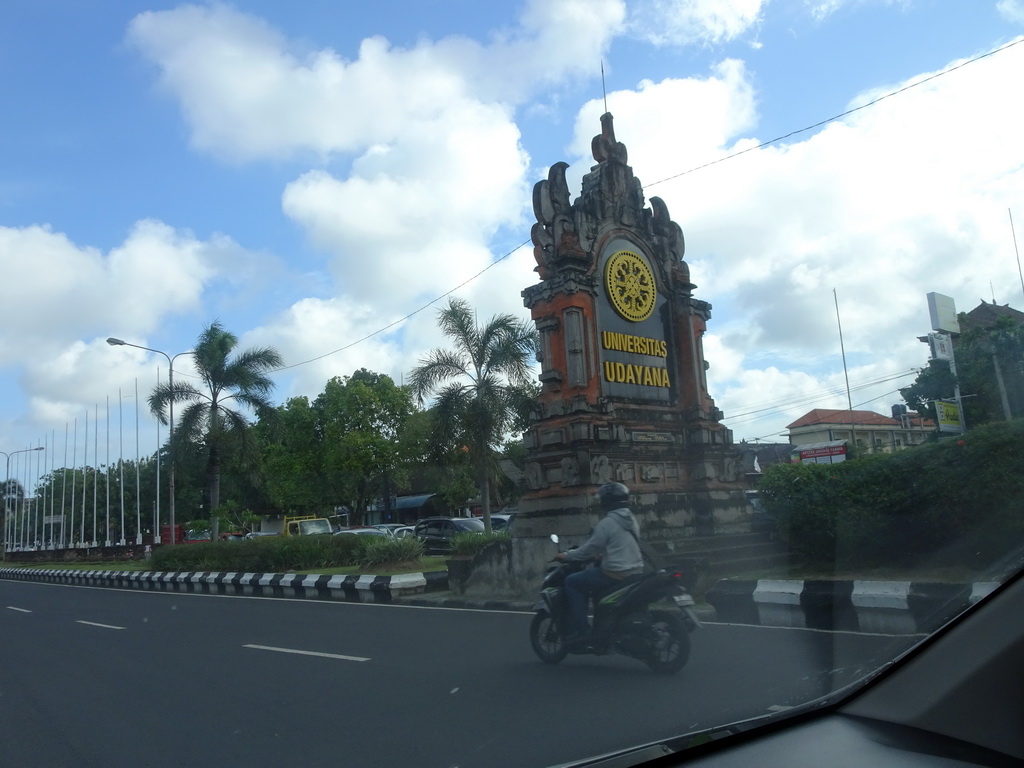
(554,537)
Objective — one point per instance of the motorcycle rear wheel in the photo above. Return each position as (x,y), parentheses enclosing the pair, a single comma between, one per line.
(671,644)
(546,639)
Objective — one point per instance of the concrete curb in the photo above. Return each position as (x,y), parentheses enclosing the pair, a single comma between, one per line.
(358,589)
(886,607)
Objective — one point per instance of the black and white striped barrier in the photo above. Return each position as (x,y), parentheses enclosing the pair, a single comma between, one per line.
(887,607)
(365,589)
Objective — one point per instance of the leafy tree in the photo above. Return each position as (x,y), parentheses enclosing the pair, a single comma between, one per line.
(207,417)
(293,457)
(343,448)
(362,418)
(482,387)
(990,372)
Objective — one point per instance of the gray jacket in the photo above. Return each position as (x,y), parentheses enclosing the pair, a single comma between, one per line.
(612,541)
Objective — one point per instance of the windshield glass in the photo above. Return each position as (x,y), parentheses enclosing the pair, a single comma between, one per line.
(735,295)
(309,527)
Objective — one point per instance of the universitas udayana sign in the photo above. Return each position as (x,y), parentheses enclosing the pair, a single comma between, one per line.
(634,350)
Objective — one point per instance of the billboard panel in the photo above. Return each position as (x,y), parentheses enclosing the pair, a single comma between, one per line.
(942,310)
(949,416)
(942,346)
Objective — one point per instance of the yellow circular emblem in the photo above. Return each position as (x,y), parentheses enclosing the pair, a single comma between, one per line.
(630,285)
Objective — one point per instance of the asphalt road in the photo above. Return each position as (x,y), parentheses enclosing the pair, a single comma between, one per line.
(102,677)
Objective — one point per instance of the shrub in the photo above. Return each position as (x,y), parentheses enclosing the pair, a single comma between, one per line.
(958,500)
(275,554)
(384,550)
(470,542)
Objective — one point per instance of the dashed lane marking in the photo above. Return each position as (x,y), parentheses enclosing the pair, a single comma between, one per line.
(306,653)
(95,624)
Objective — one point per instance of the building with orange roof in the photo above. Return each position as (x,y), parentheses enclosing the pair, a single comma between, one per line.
(867,430)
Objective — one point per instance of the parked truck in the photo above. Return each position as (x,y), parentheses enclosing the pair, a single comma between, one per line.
(306,525)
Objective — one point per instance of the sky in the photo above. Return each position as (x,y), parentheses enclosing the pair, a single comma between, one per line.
(320,176)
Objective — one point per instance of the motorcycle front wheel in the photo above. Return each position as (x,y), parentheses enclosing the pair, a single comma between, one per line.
(670,648)
(546,639)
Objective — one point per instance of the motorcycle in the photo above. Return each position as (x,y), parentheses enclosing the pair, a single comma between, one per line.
(648,617)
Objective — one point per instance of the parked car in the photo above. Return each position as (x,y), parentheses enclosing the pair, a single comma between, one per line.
(369,531)
(436,532)
(404,531)
(260,534)
(389,528)
(502,521)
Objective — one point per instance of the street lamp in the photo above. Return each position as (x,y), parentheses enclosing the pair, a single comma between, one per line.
(170,440)
(7,491)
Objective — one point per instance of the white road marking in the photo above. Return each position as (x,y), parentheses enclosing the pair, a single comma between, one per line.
(94,624)
(306,653)
(19,610)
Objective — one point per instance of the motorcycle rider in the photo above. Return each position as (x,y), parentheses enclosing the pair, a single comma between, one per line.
(615,540)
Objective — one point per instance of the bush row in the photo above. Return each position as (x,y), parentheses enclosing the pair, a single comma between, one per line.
(958,502)
(277,554)
(302,553)
(470,542)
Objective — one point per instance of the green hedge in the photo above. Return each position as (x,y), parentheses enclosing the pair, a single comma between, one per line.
(958,502)
(471,542)
(276,554)
(384,550)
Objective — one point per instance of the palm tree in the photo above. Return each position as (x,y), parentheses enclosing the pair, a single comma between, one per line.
(207,418)
(483,386)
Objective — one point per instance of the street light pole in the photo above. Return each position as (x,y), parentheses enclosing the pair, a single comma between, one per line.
(7,492)
(170,440)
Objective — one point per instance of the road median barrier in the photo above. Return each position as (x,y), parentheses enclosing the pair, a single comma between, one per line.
(883,607)
(360,588)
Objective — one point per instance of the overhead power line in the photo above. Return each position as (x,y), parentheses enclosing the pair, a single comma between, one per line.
(763,144)
(841,115)
(773,407)
(406,317)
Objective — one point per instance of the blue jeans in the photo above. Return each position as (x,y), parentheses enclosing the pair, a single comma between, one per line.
(579,588)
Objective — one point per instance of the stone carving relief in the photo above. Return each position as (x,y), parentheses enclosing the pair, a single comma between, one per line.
(535,476)
(566,230)
(652,473)
(570,472)
(600,470)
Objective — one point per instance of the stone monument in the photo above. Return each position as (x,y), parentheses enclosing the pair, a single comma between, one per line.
(624,389)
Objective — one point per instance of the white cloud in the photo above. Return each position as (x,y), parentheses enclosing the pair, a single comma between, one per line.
(821,9)
(1011,10)
(70,290)
(688,22)
(431,167)
(421,211)
(247,92)
(670,136)
(70,298)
